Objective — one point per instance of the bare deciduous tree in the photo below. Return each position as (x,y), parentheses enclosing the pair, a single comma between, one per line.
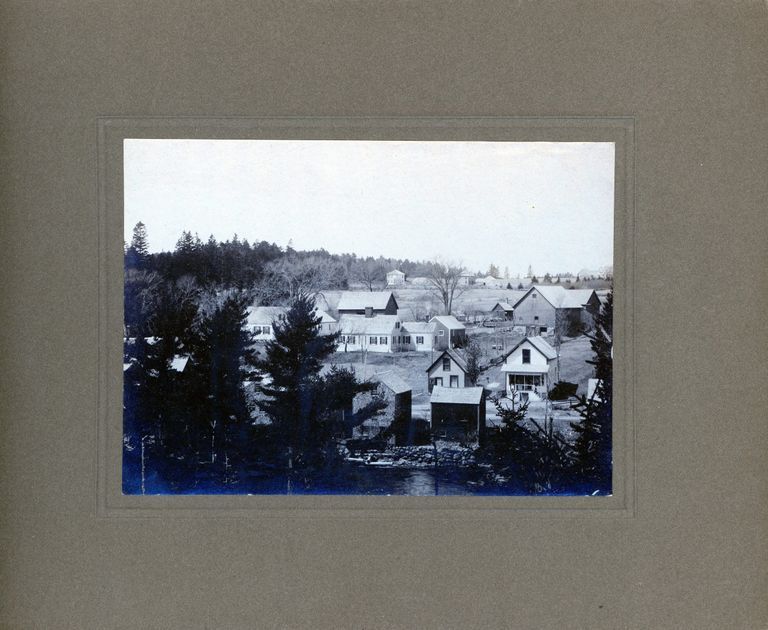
(287,278)
(369,272)
(445,282)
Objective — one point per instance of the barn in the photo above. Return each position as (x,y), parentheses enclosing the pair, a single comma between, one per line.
(368,303)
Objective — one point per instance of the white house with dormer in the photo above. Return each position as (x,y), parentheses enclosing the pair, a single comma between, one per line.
(529,369)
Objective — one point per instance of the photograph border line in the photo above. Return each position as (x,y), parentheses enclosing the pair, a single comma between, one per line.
(112,130)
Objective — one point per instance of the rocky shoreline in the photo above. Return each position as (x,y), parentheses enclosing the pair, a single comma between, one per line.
(415,456)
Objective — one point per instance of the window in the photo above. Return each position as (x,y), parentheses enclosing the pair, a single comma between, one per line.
(419,340)
(397,324)
(407,339)
(266,330)
(542,329)
(383,341)
(533,295)
(535,318)
(454,381)
(351,339)
(441,332)
(446,364)
(372,340)
(526,356)
(437,381)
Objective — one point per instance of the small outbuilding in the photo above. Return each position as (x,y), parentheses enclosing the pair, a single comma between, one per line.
(458,413)
(503,311)
(449,331)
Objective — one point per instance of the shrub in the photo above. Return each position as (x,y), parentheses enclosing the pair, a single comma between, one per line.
(563,390)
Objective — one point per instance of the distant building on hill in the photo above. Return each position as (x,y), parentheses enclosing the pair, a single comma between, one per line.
(395,278)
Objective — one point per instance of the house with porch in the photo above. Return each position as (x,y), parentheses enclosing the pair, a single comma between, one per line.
(449,331)
(458,413)
(529,369)
(370,303)
(448,370)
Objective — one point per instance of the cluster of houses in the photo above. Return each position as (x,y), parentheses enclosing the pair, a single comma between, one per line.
(372,321)
(457,406)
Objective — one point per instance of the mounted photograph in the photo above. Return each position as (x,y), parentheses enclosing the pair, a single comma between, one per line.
(368,317)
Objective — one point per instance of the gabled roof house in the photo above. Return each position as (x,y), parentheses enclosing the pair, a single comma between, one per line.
(529,369)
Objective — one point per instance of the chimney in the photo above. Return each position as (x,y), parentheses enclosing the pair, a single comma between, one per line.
(369,311)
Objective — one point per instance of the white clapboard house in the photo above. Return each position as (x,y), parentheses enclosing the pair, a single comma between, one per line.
(261,321)
(529,369)
(382,333)
(420,335)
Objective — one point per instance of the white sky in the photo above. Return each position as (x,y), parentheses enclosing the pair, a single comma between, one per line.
(546,204)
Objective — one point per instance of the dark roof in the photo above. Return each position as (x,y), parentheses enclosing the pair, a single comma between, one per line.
(360,300)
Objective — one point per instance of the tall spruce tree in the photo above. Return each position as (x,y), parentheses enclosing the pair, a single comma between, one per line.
(309,410)
(137,255)
(293,361)
(593,452)
(223,358)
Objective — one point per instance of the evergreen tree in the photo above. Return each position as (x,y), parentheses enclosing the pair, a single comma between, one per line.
(137,255)
(293,360)
(533,457)
(223,358)
(308,410)
(593,449)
